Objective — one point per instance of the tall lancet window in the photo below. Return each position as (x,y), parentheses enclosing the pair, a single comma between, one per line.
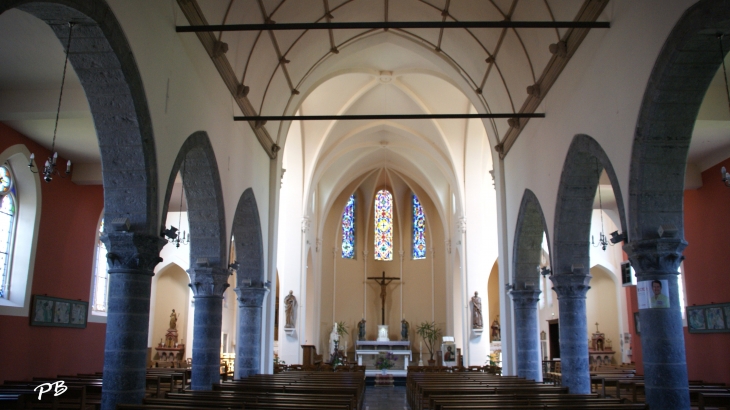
(384,226)
(348,229)
(101,276)
(419,230)
(7,227)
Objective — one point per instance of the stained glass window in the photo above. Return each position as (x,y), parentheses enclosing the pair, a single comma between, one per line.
(101,276)
(348,229)
(7,227)
(419,230)
(384,226)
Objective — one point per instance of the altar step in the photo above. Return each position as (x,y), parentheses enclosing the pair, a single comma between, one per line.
(397,381)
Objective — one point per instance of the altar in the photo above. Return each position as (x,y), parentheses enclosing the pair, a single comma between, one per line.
(367,352)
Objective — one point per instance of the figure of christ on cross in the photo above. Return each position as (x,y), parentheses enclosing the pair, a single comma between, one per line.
(383,282)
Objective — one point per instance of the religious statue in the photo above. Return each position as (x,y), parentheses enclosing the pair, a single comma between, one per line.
(171,335)
(290,302)
(404,330)
(361,330)
(173,320)
(383,281)
(496,334)
(334,337)
(476,315)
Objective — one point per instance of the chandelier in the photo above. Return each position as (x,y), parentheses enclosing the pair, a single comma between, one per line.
(172,232)
(49,169)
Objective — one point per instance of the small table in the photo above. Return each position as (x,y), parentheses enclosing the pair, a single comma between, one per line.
(383,380)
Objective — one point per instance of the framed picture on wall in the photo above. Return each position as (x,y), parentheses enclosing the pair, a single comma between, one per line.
(637,324)
(713,318)
(50,311)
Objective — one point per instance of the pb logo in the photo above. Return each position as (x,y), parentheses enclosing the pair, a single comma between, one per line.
(60,388)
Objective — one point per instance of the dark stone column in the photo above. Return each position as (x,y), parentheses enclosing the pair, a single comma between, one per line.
(529,364)
(571,289)
(208,284)
(131,258)
(662,336)
(248,345)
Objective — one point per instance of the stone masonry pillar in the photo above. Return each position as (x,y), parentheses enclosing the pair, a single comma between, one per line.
(208,284)
(529,363)
(131,258)
(571,289)
(248,345)
(662,336)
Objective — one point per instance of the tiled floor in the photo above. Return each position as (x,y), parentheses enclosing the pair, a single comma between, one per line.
(385,398)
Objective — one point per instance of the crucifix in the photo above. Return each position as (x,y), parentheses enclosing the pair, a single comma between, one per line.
(383,282)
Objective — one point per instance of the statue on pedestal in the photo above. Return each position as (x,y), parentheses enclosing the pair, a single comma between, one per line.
(334,337)
(171,336)
(476,315)
(496,334)
(404,329)
(361,330)
(290,303)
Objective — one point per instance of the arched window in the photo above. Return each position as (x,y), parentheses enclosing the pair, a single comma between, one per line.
(419,230)
(384,226)
(101,276)
(348,229)
(7,227)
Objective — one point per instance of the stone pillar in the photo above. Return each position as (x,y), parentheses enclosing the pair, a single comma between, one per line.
(571,289)
(208,284)
(529,363)
(131,258)
(248,334)
(662,336)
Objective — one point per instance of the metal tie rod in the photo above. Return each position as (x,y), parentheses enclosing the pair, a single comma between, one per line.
(384,117)
(368,25)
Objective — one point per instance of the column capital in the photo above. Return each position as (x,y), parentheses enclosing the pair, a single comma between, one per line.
(659,256)
(132,252)
(525,299)
(208,280)
(251,297)
(571,285)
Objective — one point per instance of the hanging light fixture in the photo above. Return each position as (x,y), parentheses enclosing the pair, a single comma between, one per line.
(602,240)
(172,232)
(723,172)
(49,169)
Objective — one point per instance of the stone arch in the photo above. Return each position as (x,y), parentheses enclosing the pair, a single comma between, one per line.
(105,65)
(249,243)
(107,70)
(571,252)
(578,182)
(677,85)
(528,241)
(206,216)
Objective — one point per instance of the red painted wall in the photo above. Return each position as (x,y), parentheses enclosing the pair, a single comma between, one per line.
(707,264)
(64,260)
(633,307)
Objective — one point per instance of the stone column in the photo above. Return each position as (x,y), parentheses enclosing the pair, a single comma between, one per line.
(208,284)
(529,363)
(131,258)
(248,335)
(662,336)
(571,289)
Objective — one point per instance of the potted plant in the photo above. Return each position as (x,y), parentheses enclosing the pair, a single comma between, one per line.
(386,361)
(430,334)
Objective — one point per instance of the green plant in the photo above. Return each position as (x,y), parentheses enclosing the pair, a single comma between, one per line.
(430,333)
(341,329)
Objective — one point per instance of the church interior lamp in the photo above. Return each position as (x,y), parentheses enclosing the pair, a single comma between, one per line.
(430,333)
(49,169)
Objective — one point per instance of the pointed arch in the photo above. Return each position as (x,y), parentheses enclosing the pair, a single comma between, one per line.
(202,184)
(529,232)
(578,182)
(249,243)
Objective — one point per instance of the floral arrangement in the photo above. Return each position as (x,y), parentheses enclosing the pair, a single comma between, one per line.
(386,361)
